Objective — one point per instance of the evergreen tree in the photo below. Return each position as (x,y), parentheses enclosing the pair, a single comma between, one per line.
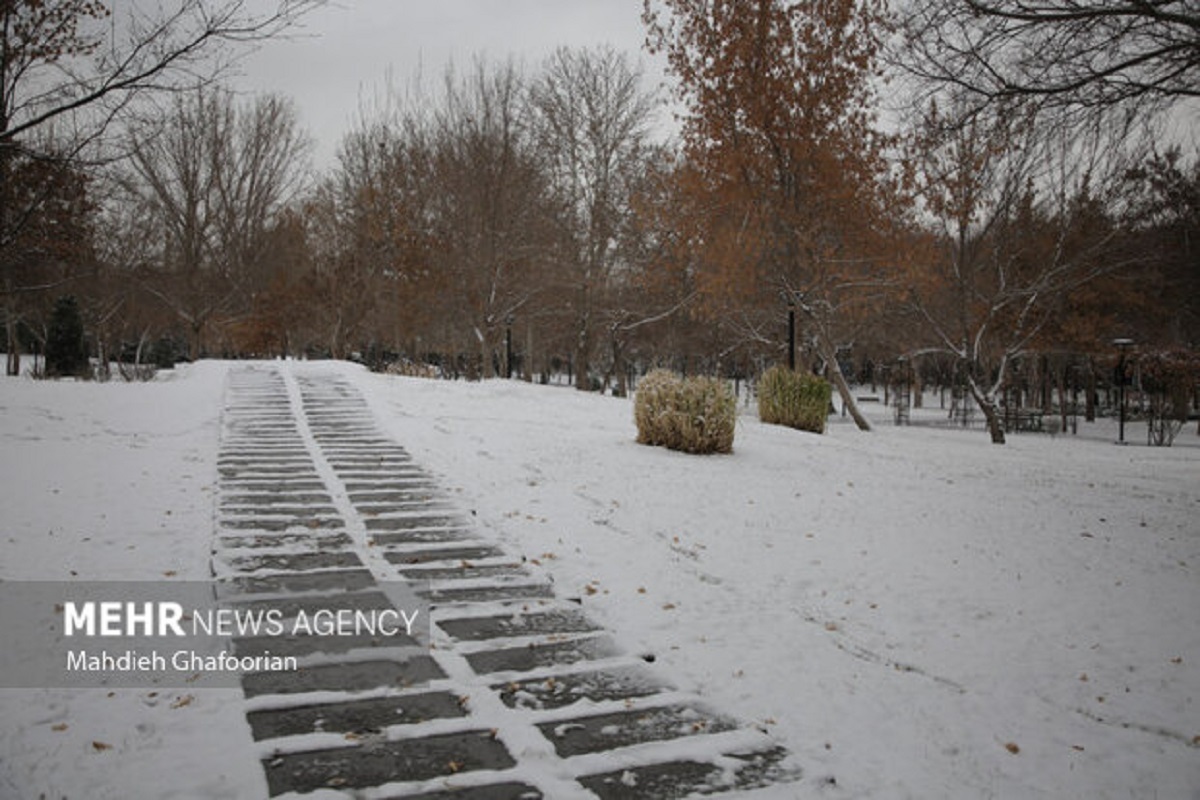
(66,351)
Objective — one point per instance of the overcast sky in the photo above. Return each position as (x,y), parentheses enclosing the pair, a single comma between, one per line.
(346,50)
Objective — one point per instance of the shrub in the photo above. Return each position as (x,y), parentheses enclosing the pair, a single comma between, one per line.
(66,351)
(411,369)
(795,399)
(693,415)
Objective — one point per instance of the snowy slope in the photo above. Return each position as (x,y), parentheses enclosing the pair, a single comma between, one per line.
(899,607)
(914,612)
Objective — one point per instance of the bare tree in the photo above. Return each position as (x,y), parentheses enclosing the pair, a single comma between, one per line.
(70,69)
(592,126)
(1068,53)
(213,176)
(1022,217)
(372,225)
(491,202)
(78,63)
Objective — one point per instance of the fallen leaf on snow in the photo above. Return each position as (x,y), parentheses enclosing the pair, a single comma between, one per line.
(1012,748)
(62,726)
(101,746)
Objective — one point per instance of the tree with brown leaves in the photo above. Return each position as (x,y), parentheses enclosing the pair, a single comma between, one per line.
(781,135)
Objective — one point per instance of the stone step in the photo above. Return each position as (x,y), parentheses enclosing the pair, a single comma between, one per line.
(443,594)
(277,510)
(421,536)
(375,763)
(335,541)
(424,555)
(351,676)
(296,562)
(531,657)
(464,571)
(297,523)
(277,485)
(593,734)
(491,791)
(358,716)
(410,522)
(559,691)
(304,645)
(538,623)
(267,499)
(674,780)
(289,607)
(386,497)
(330,581)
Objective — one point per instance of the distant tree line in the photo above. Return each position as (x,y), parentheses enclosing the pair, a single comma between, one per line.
(529,221)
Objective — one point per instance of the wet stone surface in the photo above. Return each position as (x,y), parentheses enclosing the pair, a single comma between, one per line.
(384,762)
(531,624)
(359,716)
(559,691)
(347,677)
(524,659)
(593,734)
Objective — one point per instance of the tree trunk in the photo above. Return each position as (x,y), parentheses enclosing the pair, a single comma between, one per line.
(582,380)
(839,382)
(487,365)
(13,365)
(988,406)
(1062,398)
(1090,400)
(197,343)
(528,361)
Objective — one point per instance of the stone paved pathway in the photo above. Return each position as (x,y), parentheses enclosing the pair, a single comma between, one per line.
(519,695)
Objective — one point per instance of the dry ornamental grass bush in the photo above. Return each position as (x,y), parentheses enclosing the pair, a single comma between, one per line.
(795,399)
(693,415)
(411,369)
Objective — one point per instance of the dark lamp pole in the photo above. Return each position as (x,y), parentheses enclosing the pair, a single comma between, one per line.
(791,359)
(508,321)
(1122,346)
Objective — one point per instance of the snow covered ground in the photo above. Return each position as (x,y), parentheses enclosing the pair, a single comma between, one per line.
(914,612)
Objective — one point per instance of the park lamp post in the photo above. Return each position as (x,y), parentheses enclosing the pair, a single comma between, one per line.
(508,321)
(1122,346)
(791,355)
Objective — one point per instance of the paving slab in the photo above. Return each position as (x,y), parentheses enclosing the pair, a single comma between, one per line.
(566,689)
(491,791)
(386,762)
(347,677)
(537,623)
(358,717)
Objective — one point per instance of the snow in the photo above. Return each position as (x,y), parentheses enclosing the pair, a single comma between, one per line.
(116,481)
(913,612)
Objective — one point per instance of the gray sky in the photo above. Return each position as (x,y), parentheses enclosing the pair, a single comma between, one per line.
(345,52)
